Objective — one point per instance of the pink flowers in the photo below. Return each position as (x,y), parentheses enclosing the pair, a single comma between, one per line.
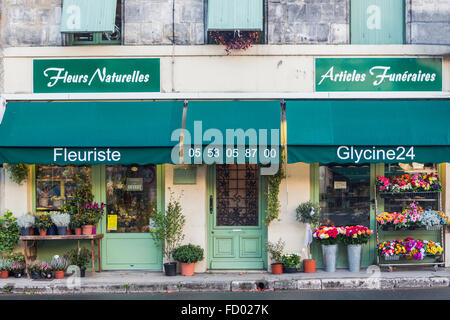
(409,183)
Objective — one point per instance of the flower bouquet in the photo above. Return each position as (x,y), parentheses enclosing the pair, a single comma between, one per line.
(433,248)
(427,182)
(328,235)
(356,235)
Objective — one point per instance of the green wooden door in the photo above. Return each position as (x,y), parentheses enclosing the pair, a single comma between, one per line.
(236,233)
(346,196)
(131,193)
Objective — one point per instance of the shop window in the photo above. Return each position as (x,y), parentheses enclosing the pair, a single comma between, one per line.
(344,194)
(131,197)
(377,21)
(100,38)
(427,200)
(57,184)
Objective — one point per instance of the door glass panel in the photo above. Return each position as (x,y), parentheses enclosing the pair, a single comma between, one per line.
(427,200)
(131,196)
(237,195)
(344,193)
(56,184)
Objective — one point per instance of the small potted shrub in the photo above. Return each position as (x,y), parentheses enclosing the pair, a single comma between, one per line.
(188,255)
(79,257)
(290,262)
(59,266)
(43,223)
(276,253)
(76,221)
(62,221)
(18,269)
(25,222)
(5,267)
(309,213)
(34,269)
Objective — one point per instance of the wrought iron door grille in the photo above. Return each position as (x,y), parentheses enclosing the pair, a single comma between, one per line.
(237,195)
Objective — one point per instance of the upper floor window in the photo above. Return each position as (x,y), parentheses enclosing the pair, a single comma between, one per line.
(377,21)
(92,22)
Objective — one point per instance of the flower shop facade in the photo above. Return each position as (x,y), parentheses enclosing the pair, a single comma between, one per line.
(121,138)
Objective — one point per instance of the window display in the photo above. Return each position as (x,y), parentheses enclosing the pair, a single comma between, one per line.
(56,184)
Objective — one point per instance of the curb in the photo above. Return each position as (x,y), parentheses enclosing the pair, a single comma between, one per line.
(227,286)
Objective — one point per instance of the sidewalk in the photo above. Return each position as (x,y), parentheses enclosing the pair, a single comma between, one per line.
(151,281)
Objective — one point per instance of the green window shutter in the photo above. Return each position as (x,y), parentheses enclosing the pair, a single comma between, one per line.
(235,15)
(88,16)
(377,21)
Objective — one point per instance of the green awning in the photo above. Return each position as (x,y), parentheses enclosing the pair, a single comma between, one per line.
(368,131)
(249,132)
(89,132)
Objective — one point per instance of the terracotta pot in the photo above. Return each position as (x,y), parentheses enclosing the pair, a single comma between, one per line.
(4,274)
(77,231)
(59,274)
(43,232)
(87,229)
(31,231)
(277,268)
(68,232)
(309,266)
(187,269)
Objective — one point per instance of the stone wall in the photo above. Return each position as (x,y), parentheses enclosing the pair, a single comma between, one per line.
(308,21)
(153,22)
(427,21)
(30,23)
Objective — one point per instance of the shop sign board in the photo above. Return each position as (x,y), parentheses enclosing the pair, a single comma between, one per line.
(378,74)
(96,75)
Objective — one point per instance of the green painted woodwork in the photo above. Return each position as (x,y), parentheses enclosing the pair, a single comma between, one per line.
(378,74)
(131,251)
(228,248)
(377,21)
(185,175)
(235,15)
(88,16)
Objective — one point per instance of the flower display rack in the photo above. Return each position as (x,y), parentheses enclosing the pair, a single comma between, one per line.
(435,234)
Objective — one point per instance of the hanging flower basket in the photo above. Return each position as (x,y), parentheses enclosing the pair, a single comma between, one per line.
(235,40)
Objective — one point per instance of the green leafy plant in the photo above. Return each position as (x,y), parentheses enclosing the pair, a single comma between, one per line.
(304,213)
(79,257)
(168,228)
(34,266)
(188,253)
(290,260)
(275,250)
(16,257)
(18,172)
(9,232)
(273,202)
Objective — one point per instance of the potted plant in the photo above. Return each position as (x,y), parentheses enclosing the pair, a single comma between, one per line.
(167,233)
(18,269)
(188,255)
(76,221)
(25,222)
(43,222)
(34,269)
(309,213)
(276,252)
(329,237)
(290,262)
(62,221)
(59,266)
(92,213)
(354,238)
(46,270)
(5,267)
(79,257)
